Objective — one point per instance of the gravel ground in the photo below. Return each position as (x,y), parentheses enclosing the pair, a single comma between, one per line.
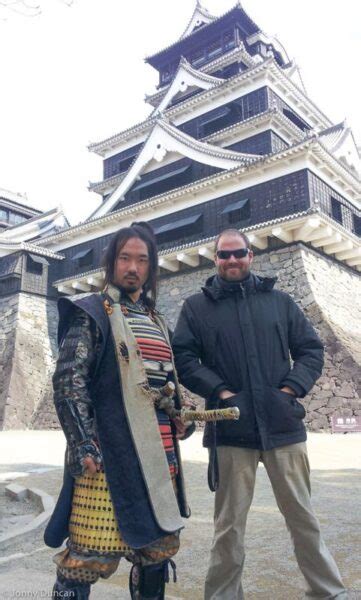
(270,571)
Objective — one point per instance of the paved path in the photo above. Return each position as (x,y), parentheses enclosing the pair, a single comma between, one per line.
(34,459)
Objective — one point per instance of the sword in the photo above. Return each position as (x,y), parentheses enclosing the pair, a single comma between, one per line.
(218,414)
(230,413)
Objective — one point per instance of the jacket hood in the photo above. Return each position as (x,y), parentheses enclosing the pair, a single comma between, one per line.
(217,288)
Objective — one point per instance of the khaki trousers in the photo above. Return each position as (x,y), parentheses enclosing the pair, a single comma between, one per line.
(289,472)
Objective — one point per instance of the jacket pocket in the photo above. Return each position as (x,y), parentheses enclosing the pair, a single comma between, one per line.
(284,412)
(244,428)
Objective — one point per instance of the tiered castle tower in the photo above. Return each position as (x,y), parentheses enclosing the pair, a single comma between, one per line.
(232,140)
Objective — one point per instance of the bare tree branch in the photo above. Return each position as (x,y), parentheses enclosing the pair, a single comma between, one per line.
(27,8)
(21,7)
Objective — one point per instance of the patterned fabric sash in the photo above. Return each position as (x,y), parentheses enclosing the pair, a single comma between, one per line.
(139,408)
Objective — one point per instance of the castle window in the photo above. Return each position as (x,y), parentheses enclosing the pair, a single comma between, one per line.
(123,164)
(197,56)
(214,121)
(158,182)
(84,258)
(228,40)
(158,178)
(239,211)
(336,210)
(34,264)
(295,120)
(357,224)
(16,219)
(214,48)
(177,229)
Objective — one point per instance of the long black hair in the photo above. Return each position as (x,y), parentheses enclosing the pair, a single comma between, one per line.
(144,232)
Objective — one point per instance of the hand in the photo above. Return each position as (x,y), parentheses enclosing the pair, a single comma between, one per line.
(90,466)
(225,394)
(180,427)
(189,404)
(288,390)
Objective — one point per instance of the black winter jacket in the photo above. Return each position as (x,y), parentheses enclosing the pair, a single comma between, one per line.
(239,336)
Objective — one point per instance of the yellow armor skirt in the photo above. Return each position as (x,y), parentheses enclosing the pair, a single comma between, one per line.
(95,542)
(93,525)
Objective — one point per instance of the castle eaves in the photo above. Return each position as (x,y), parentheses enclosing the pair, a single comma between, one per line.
(236,8)
(238,53)
(269,65)
(311,144)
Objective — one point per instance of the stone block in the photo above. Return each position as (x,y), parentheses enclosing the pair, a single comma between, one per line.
(16,491)
(326,410)
(325,394)
(315,405)
(345,391)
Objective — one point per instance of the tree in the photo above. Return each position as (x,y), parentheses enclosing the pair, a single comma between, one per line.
(26,8)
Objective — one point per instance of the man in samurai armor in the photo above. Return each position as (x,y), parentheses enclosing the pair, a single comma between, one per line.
(123,491)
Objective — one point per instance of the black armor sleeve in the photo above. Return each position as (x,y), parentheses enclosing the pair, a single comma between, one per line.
(71,383)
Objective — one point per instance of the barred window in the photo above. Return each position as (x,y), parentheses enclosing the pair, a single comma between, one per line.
(332,203)
(214,48)
(197,56)
(357,225)
(241,214)
(84,258)
(336,210)
(15,218)
(33,266)
(228,40)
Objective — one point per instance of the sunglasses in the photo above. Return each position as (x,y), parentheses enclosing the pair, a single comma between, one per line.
(239,253)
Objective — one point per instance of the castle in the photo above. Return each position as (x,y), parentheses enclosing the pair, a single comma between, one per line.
(231,140)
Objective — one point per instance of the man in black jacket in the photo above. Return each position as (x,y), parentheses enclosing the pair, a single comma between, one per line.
(232,345)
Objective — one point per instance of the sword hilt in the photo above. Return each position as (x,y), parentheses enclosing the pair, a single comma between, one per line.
(220,414)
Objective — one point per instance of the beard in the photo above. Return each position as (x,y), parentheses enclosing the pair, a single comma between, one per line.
(235,273)
(130,288)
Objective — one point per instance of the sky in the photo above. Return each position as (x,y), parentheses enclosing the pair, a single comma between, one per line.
(76,74)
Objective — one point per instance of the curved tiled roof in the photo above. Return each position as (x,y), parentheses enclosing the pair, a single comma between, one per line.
(199,74)
(200,79)
(312,144)
(296,132)
(173,110)
(100,185)
(238,6)
(12,199)
(239,52)
(333,136)
(200,151)
(269,63)
(202,12)
(205,147)
(34,249)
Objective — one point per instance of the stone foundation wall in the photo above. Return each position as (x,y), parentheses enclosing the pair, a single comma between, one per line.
(327,293)
(8,320)
(28,360)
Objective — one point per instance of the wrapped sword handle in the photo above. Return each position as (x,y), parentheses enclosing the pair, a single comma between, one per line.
(221,414)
